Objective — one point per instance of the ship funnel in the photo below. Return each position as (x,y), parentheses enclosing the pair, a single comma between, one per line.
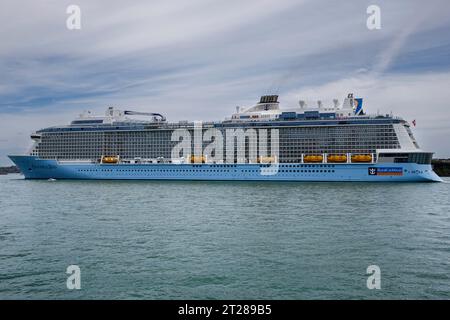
(319,104)
(269,99)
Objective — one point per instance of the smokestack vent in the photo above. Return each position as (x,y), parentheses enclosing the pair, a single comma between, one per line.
(269,99)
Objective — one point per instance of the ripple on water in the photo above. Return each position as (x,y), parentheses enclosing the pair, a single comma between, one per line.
(223,240)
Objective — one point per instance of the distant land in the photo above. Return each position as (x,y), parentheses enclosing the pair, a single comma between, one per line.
(440,166)
(11,169)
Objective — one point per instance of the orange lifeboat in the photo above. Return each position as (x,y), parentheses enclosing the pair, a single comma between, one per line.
(198,159)
(266,159)
(361,158)
(110,159)
(337,158)
(313,158)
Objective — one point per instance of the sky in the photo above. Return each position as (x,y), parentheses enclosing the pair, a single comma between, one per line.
(199,59)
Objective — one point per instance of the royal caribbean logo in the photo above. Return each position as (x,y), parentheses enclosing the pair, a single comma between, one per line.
(386,171)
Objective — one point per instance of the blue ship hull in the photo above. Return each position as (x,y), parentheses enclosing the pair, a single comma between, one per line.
(35,168)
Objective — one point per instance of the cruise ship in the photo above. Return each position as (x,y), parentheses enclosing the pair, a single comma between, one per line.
(263,142)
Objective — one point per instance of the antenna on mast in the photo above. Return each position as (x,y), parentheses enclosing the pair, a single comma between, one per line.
(319,104)
(335,103)
(301,103)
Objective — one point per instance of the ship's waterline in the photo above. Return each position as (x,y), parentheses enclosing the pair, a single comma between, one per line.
(339,143)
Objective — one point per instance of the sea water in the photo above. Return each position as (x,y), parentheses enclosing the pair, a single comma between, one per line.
(223,240)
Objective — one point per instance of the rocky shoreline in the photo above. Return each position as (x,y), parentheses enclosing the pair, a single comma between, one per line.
(440,166)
